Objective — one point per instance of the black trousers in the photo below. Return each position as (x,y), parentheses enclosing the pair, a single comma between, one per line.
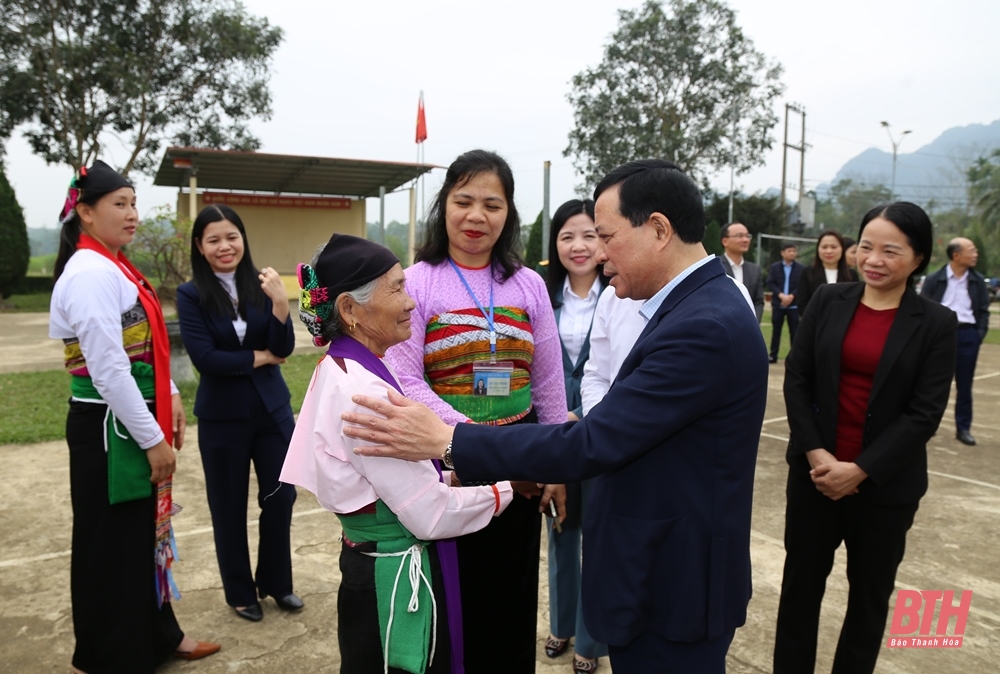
(875,536)
(227,450)
(498,567)
(357,615)
(778,316)
(118,627)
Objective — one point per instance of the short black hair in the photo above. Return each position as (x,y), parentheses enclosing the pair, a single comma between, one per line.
(724,232)
(648,186)
(914,223)
(506,254)
(952,249)
(785,245)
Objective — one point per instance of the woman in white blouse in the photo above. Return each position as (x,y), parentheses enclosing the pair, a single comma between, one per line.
(829,266)
(574,282)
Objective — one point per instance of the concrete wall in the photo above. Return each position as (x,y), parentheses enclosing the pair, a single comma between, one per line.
(282,237)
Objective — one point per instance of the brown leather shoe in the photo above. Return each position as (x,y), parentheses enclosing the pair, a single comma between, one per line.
(202,650)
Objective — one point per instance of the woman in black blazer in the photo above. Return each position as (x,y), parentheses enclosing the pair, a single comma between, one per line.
(829,266)
(866,383)
(236,328)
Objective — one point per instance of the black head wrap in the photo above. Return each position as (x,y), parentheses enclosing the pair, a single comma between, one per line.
(346,263)
(90,184)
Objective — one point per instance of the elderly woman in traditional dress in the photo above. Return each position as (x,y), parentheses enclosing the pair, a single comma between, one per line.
(124,415)
(398,590)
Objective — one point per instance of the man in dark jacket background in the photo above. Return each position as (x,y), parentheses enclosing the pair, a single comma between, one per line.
(781,281)
(963,290)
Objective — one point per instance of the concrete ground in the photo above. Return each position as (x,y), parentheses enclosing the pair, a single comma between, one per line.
(951,546)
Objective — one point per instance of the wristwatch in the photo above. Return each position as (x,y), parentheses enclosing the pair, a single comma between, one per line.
(446,457)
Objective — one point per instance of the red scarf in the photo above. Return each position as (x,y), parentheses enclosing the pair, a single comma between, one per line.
(158,332)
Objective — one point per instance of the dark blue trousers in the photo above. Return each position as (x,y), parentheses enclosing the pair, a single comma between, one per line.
(227,450)
(649,653)
(965,368)
(778,316)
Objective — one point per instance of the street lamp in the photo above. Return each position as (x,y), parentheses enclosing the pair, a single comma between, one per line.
(895,146)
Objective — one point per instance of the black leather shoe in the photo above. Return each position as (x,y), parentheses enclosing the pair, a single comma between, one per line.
(965,438)
(253,612)
(290,602)
(772,359)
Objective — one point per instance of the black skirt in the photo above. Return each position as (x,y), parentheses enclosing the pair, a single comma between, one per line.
(118,627)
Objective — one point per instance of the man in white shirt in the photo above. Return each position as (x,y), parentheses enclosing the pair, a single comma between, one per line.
(736,240)
(963,290)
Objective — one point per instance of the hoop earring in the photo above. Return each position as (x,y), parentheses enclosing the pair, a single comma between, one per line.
(353,325)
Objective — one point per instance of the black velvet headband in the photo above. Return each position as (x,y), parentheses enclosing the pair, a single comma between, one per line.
(349,262)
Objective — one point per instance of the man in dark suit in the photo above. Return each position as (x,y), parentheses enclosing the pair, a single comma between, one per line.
(781,281)
(736,240)
(963,290)
(672,446)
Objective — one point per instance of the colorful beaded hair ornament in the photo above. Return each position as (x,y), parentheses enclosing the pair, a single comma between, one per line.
(72,196)
(315,303)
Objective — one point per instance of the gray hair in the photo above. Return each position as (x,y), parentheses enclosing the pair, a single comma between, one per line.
(363,295)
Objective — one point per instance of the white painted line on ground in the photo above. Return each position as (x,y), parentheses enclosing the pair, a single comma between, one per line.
(986,376)
(965,479)
(771,421)
(773,437)
(24,561)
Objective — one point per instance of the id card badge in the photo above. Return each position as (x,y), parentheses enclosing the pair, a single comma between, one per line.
(491,379)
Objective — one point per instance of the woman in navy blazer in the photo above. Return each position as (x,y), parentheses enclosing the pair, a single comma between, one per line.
(236,328)
(866,383)
(829,266)
(572,269)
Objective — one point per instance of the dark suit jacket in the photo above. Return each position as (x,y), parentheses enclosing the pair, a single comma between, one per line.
(753,280)
(909,392)
(776,281)
(935,284)
(811,280)
(228,377)
(674,443)
(573,372)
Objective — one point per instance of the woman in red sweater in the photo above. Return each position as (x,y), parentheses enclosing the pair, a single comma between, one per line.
(866,383)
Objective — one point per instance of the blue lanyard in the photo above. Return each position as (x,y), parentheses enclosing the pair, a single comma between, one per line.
(489,316)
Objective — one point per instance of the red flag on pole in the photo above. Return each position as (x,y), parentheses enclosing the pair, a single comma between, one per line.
(421,121)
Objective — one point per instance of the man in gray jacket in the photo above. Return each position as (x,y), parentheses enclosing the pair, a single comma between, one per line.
(736,240)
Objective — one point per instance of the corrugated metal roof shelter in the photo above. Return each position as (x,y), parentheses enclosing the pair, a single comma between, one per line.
(288,203)
(282,173)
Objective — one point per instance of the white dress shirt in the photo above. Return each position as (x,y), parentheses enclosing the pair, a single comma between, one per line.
(957,298)
(737,270)
(575,317)
(617,324)
(228,281)
(831,275)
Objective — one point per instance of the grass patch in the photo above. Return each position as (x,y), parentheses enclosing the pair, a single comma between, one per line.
(33,303)
(34,406)
(42,265)
(36,402)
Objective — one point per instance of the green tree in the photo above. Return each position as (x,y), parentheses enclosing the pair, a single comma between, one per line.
(760,213)
(535,250)
(162,249)
(984,188)
(15,251)
(847,204)
(678,81)
(142,72)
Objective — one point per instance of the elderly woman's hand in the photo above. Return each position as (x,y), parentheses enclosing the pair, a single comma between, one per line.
(406,429)
(271,284)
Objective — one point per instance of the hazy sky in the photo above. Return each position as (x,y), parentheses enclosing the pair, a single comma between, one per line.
(346,79)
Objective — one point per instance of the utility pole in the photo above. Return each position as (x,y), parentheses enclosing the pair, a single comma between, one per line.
(895,147)
(801,149)
(545,209)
